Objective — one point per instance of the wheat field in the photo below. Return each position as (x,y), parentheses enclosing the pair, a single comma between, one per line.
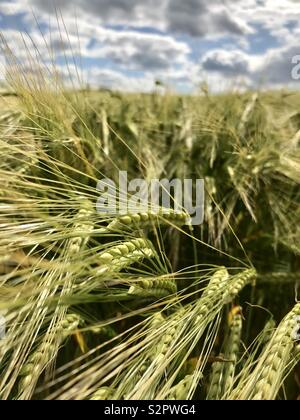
(96,307)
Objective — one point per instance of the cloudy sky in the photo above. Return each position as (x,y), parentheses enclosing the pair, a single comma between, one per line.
(129,44)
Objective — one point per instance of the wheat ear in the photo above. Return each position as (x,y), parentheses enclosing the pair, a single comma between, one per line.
(104,393)
(106,331)
(148,219)
(232,347)
(247,112)
(219,291)
(155,322)
(83,227)
(280,277)
(222,289)
(37,362)
(180,391)
(268,332)
(121,256)
(266,379)
(153,288)
(215,381)
(222,376)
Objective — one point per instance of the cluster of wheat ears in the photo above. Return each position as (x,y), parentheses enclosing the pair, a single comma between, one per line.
(140,306)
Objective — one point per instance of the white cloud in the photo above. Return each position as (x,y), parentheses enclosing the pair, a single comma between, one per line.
(273,15)
(229,63)
(128,49)
(191,17)
(115,80)
(10,8)
(128,12)
(141,52)
(270,70)
(276,67)
(200,18)
(163,54)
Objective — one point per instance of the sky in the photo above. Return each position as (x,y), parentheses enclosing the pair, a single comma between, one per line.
(128,45)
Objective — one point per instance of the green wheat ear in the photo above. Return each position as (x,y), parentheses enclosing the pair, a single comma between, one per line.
(222,376)
(39,359)
(153,288)
(266,379)
(104,393)
(232,347)
(180,391)
(216,381)
(223,289)
(83,226)
(149,219)
(268,332)
(118,257)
